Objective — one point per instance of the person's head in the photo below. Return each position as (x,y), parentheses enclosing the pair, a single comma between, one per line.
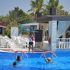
(18,58)
(14,64)
(49,59)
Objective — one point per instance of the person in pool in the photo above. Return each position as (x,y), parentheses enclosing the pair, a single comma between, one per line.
(18,58)
(48,59)
(14,64)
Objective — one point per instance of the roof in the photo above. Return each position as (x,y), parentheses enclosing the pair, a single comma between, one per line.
(33,23)
(2,24)
(53,17)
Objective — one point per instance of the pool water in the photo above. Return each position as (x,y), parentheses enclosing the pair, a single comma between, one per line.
(34,61)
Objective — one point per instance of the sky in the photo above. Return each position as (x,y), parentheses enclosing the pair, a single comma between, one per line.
(7,5)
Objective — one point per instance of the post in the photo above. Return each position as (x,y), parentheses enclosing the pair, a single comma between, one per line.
(53,34)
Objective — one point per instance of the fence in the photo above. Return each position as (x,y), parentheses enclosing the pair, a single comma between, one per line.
(63,43)
(5,42)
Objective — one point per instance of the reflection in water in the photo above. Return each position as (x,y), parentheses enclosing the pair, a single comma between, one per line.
(21,54)
(25,54)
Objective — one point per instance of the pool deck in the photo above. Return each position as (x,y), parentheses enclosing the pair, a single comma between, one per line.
(14,50)
(23,50)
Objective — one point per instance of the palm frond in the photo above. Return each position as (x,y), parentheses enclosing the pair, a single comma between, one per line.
(33,4)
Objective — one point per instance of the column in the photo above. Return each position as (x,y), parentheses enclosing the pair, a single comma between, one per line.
(53,34)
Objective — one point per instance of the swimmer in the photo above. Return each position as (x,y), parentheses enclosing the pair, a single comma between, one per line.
(18,58)
(48,60)
(14,64)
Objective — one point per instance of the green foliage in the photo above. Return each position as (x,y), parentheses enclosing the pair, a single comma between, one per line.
(38,6)
(14,17)
(18,15)
(59,8)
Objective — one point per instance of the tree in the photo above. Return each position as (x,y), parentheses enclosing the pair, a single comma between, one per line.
(19,15)
(36,8)
(14,18)
(40,9)
(16,14)
(55,4)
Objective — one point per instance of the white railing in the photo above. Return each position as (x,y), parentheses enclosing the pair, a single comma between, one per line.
(63,43)
(5,42)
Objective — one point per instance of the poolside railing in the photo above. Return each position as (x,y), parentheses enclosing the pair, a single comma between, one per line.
(5,42)
(63,43)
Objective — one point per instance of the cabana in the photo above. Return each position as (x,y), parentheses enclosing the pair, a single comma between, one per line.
(53,19)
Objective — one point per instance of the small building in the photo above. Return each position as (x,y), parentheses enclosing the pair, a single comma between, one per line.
(2,27)
(31,27)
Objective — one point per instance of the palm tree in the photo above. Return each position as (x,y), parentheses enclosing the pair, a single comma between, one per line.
(55,4)
(36,8)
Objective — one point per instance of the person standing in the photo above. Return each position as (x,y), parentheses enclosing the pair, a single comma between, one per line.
(30,42)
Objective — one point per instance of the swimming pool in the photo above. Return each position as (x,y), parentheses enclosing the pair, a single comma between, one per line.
(34,61)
